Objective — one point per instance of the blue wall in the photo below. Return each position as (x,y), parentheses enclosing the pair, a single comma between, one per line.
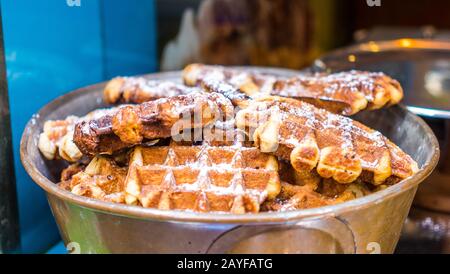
(52,48)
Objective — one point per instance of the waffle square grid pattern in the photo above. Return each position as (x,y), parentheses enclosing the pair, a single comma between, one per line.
(202,178)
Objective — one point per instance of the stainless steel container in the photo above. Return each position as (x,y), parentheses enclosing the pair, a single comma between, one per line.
(367,225)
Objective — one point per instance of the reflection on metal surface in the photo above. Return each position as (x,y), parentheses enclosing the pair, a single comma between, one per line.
(398,44)
(373,46)
(406,43)
(352,58)
(437,81)
(429,112)
(320,236)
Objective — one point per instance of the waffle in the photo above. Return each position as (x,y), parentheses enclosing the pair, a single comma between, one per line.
(314,139)
(213,136)
(191,151)
(135,124)
(201,178)
(102,179)
(70,171)
(237,85)
(248,82)
(56,140)
(51,139)
(344,192)
(169,177)
(343,93)
(136,90)
(237,98)
(294,197)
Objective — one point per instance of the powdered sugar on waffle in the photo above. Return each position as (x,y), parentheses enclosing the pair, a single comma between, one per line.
(154,88)
(353,80)
(357,143)
(204,165)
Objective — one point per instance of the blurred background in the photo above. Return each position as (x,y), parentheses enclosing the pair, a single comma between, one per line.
(53,46)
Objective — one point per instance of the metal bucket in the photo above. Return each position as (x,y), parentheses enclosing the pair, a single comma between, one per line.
(371,224)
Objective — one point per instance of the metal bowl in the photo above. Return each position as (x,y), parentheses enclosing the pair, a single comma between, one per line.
(369,224)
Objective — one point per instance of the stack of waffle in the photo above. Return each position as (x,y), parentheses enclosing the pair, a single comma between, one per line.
(185,147)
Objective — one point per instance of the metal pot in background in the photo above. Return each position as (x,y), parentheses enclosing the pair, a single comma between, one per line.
(423,69)
(371,224)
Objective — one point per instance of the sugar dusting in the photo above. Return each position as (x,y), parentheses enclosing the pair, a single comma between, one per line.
(350,135)
(204,169)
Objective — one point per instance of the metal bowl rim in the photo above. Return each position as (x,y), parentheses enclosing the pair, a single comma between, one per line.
(386,45)
(219,218)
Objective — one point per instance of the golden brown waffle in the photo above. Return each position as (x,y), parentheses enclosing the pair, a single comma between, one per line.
(132,125)
(344,192)
(201,178)
(168,176)
(315,139)
(51,139)
(213,136)
(102,179)
(247,81)
(56,140)
(219,161)
(294,197)
(136,90)
(237,85)
(344,93)
(70,171)
(238,98)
